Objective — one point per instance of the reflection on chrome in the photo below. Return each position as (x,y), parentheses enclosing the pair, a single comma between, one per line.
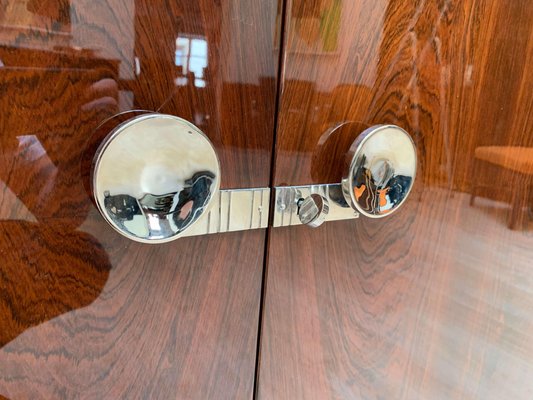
(161,216)
(381,172)
(154,176)
(379,179)
(379,192)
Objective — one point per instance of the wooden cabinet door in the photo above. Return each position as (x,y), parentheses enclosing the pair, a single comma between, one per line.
(435,301)
(84,312)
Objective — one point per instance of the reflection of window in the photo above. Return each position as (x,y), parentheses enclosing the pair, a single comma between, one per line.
(191,56)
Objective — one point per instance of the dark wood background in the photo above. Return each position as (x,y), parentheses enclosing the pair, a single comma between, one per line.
(434,302)
(83,311)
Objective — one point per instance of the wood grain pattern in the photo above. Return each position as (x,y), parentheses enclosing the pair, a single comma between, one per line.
(434,302)
(84,312)
(436,306)
(455,75)
(236,107)
(171,321)
(47,270)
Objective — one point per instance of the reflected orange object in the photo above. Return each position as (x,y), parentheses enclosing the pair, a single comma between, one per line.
(383,197)
(358,191)
(515,158)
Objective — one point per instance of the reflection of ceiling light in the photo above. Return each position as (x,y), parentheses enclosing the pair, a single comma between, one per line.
(33,149)
(137,66)
(11,207)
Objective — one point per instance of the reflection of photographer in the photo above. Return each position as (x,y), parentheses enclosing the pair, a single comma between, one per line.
(46,271)
(398,187)
(379,195)
(193,198)
(122,207)
(50,266)
(102,95)
(183,207)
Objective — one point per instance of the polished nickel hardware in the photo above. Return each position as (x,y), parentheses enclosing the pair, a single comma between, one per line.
(234,210)
(379,179)
(289,200)
(313,210)
(381,172)
(156,178)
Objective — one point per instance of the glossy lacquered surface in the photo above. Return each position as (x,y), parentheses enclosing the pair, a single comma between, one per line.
(435,301)
(84,311)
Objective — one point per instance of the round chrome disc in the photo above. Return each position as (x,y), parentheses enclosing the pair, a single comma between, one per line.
(154,176)
(381,172)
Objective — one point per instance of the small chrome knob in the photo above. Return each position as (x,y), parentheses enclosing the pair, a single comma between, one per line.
(313,210)
(381,172)
(154,176)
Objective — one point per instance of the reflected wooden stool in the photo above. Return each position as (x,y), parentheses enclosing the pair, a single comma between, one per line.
(518,160)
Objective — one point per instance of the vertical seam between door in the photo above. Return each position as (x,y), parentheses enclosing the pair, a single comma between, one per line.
(279,89)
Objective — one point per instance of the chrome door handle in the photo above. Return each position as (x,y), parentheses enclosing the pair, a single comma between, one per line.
(156,178)
(377,182)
